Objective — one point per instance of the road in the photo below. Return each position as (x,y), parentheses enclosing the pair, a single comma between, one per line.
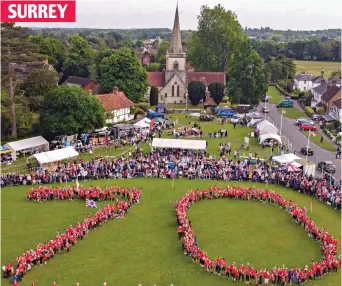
(298,140)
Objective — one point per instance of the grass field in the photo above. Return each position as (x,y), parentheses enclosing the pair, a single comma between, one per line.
(276,96)
(293,113)
(317,140)
(144,248)
(316,67)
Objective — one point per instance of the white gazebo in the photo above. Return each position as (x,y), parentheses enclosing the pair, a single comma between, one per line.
(286,158)
(56,155)
(272,136)
(184,144)
(27,144)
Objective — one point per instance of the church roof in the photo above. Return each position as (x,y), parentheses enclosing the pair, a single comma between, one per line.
(156,79)
(176,39)
(206,77)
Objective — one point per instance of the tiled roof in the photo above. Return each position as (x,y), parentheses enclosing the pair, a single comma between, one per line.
(320,89)
(114,101)
(318,79)
(331,92)
(156,79)
(206,77)
(335,80)
(75,80)
(302,77)
(209,102)
(337,103)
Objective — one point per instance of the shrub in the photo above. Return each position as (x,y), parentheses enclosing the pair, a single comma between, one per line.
(320,110)
(309,111)
(144,106)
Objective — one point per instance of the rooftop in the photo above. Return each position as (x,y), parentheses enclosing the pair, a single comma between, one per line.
(115,100)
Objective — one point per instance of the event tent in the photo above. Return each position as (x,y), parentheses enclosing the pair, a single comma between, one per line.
(309,168)
(266,136)
(142,124)
(286,158)
(266,127)
(179,144)
(56,155)
(27,144)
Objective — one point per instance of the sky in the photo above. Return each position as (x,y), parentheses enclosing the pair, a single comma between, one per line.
(276,14)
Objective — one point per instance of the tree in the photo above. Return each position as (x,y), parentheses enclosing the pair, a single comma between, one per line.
(153,96)
(69,110)
(153,67)
(274,69)
(161,54)
(336,73)
(139,43)
(80,57)
(248,81)
(123,69)
(196,90)
(39,83)
(53,48)
(216,90)
(218,37)
(18,57)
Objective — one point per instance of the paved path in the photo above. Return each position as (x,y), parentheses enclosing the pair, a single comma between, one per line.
(298,140)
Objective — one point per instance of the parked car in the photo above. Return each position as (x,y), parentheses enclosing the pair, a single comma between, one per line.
(58,140)
(306,150)
(206,117)
(285,103)
(288,97)
(307,126)
(236,118)
(300,121)
(265,110)
(327,166)
(316,116)
(226,113)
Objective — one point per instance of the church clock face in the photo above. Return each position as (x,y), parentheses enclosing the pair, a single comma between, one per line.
(175,65)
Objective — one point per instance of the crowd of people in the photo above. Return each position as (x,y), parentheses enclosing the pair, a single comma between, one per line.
(278,275)
(181,164)
(65,240)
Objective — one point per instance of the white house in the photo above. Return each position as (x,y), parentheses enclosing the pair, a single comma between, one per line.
(117,106)
(336,110)
(303,82)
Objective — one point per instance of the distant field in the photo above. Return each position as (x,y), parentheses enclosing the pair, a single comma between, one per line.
(316,67)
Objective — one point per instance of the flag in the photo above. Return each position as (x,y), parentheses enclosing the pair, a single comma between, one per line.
(283,111)
(312,133)
(91,204)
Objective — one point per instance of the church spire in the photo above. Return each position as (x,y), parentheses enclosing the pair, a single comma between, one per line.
(176,40)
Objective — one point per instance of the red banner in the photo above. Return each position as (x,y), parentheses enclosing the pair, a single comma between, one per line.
(38,11)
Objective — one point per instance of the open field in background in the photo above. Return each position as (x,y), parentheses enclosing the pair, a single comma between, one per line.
(144,247)
(315,67)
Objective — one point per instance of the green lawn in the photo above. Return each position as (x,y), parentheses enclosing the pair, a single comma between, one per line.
(144,248)
(276,96)
(315,67)
(317,140)
(292,113)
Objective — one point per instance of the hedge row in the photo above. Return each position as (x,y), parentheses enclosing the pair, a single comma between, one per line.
(309,111)
(285,93)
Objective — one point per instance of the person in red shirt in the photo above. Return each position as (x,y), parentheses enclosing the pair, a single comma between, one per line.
(266,276)
(54,284)
(15,283)
(241,273)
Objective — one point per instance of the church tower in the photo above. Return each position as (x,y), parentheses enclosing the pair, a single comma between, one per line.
(175,57)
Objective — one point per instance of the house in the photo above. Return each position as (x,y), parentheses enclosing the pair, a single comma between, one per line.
(303,82)
(317,93)
(332,94)
(335,80)
(172,83)
(336,110)
(144,57)
(117,106)
(85,83)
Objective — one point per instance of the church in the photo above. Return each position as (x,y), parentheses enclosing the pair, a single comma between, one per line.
(173,82)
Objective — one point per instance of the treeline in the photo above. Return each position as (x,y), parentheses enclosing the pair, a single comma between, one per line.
(327,50)
(264,34)
(134,34)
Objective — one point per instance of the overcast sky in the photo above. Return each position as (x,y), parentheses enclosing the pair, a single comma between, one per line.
(276,14)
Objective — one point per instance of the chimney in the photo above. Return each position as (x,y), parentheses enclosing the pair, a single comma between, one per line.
(322,72)
(90,91)
(115,90)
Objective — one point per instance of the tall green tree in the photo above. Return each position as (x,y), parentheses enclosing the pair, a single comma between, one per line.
(123,69)
(248,81)
(18,57)
(69,110)
(80,57)
(196,91)
(274,69)
(216,90)
(153,67)
(53,48)
(139,43)
(153,96)
(161,53)
(217,38)
(37,85)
